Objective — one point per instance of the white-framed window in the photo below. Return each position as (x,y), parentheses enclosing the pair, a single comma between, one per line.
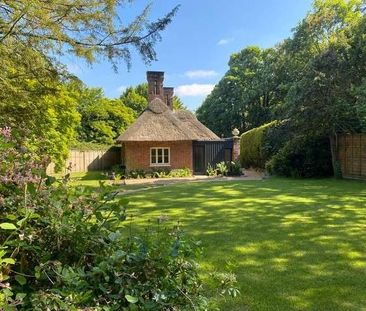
(160,156)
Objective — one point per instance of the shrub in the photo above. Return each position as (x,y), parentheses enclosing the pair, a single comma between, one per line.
(211,171)
(251,147)
(275,138)
(160,173)
(234,168)
(138,173)
(302,157)
(64,248)
(222,168)
(182,172)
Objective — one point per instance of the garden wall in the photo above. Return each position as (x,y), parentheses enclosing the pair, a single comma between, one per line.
(352,155)
(91,160)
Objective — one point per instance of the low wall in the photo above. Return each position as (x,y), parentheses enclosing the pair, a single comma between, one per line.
(91,160)
(352,155)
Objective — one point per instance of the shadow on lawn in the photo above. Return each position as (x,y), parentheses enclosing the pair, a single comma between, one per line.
(96,175)
(296,244)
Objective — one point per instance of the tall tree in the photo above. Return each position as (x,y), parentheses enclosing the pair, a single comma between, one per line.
(321,100)
(85,28)
(314,80)
(247,95)
(36,99)
(102,119)
(136,98)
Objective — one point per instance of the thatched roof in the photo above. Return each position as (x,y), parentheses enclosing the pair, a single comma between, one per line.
(159,123)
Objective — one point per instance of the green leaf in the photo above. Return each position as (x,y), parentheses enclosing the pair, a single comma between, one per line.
(21,279)
(7,226)
(131,299)
(7,292)
(9,261)
(11,216)
(37,274)
(20,296)
(50,180)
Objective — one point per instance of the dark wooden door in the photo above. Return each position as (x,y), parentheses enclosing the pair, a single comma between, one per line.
(199,159)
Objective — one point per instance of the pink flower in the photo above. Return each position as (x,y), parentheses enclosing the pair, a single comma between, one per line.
(6,132)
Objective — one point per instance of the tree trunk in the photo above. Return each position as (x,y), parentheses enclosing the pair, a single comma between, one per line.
(333,139)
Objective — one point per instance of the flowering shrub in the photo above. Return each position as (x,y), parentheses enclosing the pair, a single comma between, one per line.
(64,248)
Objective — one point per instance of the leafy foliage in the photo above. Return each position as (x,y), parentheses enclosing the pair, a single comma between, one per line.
(38,97)
(211,171)
(102,119)
(159,173)
(66,248)
(273,147)
(248,94)
(313,81)
(36,103)
(302,157)
(222,168)
(86,29)
(251,147)
(136,98)
(234,168)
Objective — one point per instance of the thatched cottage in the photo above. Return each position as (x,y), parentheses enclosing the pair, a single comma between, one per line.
(164,138)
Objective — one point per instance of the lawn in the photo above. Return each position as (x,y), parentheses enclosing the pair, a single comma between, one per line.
(294,244)
(92,180)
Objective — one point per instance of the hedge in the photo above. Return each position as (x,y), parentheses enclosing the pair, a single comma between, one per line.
(252,152)
(88,146)
(303,156)
(277,148)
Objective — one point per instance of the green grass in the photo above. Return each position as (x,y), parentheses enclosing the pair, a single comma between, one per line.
(92,180)
(294,244)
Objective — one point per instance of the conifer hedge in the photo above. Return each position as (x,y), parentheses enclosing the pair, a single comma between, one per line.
(252,152)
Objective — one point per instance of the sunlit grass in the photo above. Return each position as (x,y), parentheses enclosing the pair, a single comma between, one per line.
(93,179)
(294,244)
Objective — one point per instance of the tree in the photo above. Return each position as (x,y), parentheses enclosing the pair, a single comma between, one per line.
(321,101)
(102,119)
(314,80)
(85,28)
(42,121)
(247,95)
(36,97)
(136,98)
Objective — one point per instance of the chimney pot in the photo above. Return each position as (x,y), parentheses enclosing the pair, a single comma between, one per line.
(168,96)
(155,80)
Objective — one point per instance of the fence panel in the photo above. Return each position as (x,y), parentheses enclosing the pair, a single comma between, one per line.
(91,160)
(352,155)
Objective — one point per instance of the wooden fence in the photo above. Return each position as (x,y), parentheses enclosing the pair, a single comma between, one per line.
(352,155)
(91,160)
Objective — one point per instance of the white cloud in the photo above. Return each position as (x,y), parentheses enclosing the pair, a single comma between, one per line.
(194,89)
(121,89)
(225,41)
(196,74)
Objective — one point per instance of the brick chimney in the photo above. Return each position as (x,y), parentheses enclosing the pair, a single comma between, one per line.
(155,80)
(168,96)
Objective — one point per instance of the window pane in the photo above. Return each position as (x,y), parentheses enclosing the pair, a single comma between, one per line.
(166,155)
(153,155)
(160,155)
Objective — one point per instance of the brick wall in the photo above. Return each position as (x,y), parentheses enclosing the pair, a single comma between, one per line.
(236,149)
(137,154)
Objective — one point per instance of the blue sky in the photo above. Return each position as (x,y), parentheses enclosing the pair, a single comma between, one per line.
(196,47)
